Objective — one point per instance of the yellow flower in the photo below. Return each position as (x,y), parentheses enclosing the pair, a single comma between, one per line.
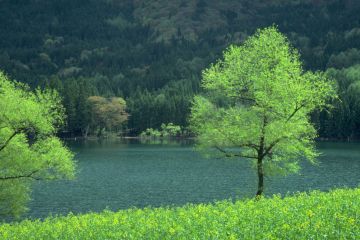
(232,237)
(318,225)
(310,213)
(304,225)
(285,210)
(286,226)
(172,231)
(351,221)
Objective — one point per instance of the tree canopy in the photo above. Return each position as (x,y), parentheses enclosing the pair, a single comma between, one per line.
(257,103)
(107,114)
(29,149)
(151,53)
(344,120)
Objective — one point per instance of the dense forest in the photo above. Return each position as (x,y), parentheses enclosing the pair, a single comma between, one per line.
(151,53)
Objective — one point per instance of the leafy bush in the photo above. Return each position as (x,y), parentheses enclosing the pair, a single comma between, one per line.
(170,130)
(333,215)
(151,133)
(167,130)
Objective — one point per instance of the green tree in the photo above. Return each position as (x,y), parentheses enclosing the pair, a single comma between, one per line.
(29,149)
(257,103)
(344,120)
(107,114)
(170,130)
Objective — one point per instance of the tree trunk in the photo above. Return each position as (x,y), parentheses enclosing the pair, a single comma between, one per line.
(260,171)
(86,131)
(260,157)
(100,132)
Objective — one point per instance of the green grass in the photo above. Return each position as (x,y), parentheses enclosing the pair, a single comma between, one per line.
(317,215)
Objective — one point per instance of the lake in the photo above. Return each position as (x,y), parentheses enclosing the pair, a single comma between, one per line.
(123,174)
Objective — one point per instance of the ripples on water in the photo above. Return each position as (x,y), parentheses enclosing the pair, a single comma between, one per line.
(119,175)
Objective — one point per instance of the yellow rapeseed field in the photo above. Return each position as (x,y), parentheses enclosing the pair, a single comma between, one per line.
(315,215)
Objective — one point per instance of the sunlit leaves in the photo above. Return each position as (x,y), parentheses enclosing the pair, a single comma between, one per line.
(28,148)
(259,90)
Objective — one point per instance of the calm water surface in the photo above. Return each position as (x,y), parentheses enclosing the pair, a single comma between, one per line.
(119,175)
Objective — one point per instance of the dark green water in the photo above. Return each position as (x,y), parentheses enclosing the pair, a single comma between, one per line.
(118,175)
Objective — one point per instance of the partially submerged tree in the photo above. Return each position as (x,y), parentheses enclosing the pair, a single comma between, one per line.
(257,103)
(29,149)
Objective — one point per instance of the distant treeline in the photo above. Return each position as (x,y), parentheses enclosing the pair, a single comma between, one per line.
(154,61)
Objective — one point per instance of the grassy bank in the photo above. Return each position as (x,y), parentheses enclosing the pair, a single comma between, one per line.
(318,215)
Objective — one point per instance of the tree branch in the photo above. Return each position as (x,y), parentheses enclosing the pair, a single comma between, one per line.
(246,99)
(297,108)
(227,154)
(8,140)
(29,175)
(262,138)
(268,149)
(250,145)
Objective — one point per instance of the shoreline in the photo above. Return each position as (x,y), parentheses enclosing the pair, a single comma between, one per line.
(92,138)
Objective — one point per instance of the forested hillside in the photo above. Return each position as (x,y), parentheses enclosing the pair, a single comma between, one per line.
(151,53)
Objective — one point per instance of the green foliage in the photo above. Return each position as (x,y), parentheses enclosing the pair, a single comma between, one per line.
(14,196)
(107,114)
(167,130)
(151,133)
(171,104)
(119,22)
(332,215)
(170,130)
(29,148)
(140,50)
(345,59)
(258,99)
(344,119)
